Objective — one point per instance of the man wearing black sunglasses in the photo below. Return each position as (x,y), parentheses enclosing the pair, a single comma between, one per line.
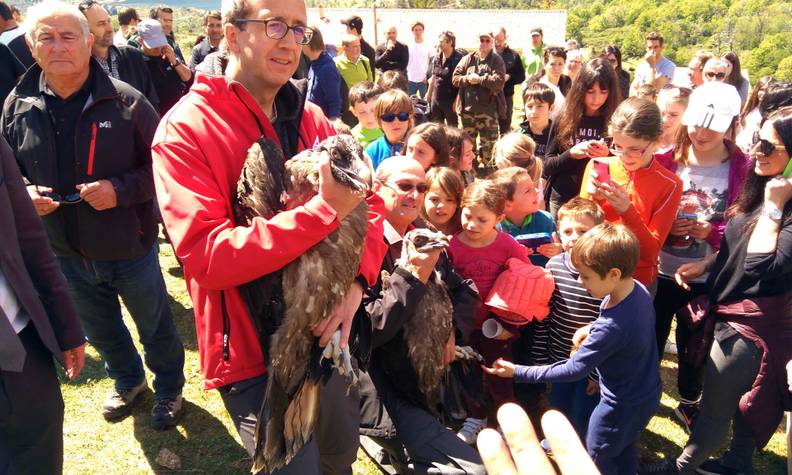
(199,151)
(480,77)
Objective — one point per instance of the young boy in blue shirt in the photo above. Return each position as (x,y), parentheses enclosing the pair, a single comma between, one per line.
(523,215)
(620,345)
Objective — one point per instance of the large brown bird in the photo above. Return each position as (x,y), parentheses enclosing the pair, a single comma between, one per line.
(312,285)
(429,328)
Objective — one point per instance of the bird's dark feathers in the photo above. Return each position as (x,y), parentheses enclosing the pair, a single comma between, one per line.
(313,285)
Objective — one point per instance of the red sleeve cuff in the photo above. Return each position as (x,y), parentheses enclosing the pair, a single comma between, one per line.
(320,208)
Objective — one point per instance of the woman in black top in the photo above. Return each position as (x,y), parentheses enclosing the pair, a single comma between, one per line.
(750,298)
(579,131)
(613,55)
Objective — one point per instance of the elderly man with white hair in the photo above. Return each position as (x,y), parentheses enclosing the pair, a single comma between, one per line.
(716,69)
(82,142)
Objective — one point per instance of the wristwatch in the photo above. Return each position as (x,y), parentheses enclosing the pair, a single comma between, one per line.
(773,213)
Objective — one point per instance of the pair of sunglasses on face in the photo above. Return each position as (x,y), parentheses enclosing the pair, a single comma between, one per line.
(766,147)
(390,117)
(408,187)
(711,75)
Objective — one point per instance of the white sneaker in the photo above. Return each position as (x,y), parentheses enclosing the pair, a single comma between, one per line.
(470,430)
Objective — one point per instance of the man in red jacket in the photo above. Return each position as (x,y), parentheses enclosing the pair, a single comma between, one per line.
(199,149)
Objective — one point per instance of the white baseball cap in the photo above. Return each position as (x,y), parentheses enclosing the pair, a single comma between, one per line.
(151,34)
(713,105)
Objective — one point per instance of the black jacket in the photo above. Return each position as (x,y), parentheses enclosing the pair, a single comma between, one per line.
(133,71)
(112,141)
(389,310)
(396,58)
(514,68)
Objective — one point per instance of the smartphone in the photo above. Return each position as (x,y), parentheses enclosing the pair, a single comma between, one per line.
(534,240)
(691,216)
(603,171)
(788,170)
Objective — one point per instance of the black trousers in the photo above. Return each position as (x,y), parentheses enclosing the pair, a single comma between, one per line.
(31,413)
(671,297)
(443,113)
(333,448)
(504,123)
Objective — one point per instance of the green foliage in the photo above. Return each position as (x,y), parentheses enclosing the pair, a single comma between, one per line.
(757,30)
(765,58)
(784,71)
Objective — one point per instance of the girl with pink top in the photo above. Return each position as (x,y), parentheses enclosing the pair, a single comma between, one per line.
(479,252)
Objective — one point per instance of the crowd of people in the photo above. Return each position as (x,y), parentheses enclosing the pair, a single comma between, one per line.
(568,243)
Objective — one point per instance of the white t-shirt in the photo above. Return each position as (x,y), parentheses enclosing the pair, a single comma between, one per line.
(558,104)
(665,67)
(418,65)
(118,38)
(10,305)
(9,35)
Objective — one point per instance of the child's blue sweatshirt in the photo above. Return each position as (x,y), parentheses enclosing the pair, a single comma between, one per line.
(620,346)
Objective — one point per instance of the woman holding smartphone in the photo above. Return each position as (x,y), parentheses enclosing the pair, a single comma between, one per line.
(712,169)
(749,291)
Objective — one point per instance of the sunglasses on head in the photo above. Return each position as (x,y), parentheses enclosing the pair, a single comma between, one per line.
(712,74)
(408,187)
(390,117)
(766,147)
(680,91)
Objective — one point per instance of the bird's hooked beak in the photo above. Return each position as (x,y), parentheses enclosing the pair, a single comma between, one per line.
(356,175)
(438,241)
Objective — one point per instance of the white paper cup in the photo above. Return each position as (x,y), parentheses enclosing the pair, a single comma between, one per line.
(491,328)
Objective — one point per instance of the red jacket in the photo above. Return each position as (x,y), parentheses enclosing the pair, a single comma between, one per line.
(654,199)
(198,153)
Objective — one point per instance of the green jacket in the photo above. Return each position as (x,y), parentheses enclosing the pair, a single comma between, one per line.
(532,60)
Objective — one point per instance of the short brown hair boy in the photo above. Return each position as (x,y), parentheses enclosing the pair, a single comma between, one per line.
(578,207)
(364,91)
(394,101)
(508,178)
(605,247)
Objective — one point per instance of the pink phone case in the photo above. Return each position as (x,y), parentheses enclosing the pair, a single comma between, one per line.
(603,171)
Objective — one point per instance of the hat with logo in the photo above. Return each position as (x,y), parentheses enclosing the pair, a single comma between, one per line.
(151,34)
(353,22)
(536,31)
(713,105)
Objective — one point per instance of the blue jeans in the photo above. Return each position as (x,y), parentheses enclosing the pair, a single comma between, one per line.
(571,399)
(414,88)
(612,433)
(95,287)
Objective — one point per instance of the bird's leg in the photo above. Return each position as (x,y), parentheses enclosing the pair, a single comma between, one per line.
(342,359)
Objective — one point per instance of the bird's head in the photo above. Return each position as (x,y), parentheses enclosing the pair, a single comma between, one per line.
(348,163)
(426,240)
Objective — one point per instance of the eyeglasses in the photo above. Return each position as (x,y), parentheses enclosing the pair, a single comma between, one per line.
(277,29)
(766,147)
(485,40)
(629,152)
(390,117)
(405,187)
(711,74)
(71,199)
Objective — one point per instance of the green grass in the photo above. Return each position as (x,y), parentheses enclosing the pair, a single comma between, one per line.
(206,441)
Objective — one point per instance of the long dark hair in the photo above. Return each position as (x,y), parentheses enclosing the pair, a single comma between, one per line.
(753,99)
(735,77)
(752,195)
(615,51)
(596,71)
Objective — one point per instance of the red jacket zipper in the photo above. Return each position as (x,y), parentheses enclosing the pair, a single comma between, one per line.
(91,149)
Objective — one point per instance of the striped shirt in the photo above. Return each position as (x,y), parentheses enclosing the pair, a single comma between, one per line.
(571,307)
